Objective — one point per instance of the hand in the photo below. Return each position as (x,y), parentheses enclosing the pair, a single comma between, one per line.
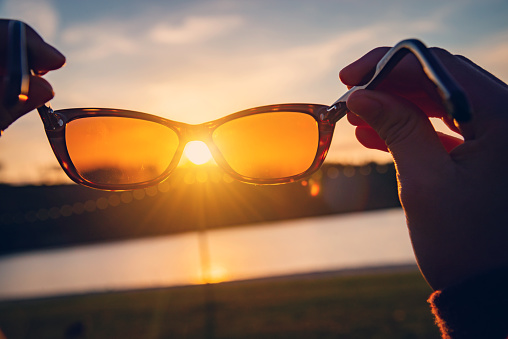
(453,192)
(42,59)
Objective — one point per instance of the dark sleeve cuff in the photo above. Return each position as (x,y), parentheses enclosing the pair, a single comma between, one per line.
(477,308)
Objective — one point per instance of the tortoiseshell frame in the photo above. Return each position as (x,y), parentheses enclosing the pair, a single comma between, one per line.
(454,99)
(55,123)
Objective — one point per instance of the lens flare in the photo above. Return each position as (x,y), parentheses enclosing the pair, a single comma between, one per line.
(197,152)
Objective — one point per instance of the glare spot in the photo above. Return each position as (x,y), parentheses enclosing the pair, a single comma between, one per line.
(66,210)
(216,274)
(317,175)
(349,171)
(201,177)
(114,200)
(78,208)
(197,152)
(31,216)
(151,191)
(138,194)
(126,197)
(215,177)
(54,213)
(227,178)
(102,203)
(163,186)
(365,170)
(315,188)
(333,172)
(90,206)
(42,214)
(189,178)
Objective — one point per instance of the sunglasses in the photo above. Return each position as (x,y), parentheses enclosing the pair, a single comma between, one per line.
(114,149)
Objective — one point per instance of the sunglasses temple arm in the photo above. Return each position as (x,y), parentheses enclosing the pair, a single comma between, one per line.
(454,98)
(17,73)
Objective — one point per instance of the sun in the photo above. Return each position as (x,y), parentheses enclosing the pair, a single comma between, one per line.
(197,152)
(216,274)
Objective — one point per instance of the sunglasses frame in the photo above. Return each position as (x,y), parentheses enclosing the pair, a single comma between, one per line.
(55,123)
(454,99)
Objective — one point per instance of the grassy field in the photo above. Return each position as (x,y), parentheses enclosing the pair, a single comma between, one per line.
(367,305)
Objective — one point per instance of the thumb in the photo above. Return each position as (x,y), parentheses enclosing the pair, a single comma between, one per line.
(406,130)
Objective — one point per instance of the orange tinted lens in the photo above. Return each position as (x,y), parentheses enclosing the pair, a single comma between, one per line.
(119,150)
(269,145)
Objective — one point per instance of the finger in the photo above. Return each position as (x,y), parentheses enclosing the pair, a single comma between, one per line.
(355,120)
(361,71)
(449,142)
(406,131)
(39,93)
(42,56)
(408,80)
(481,70)
(370,139)
(485,93)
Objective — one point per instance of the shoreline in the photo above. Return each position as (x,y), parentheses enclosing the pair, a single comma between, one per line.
(316,275)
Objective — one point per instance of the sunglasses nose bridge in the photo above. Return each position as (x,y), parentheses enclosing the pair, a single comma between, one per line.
(198,133)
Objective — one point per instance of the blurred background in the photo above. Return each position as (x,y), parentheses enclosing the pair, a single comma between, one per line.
(200,255)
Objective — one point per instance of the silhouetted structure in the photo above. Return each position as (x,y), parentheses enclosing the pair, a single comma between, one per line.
(35,217)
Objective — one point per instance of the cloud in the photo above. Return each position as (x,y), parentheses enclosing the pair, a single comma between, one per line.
(40,14)
(167,70)
(229,82)
(106,38)
(98,40)
(491,54)
(194,29)
(497,57)
(434,22)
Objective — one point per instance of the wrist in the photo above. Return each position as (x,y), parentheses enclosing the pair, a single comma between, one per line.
(476,308)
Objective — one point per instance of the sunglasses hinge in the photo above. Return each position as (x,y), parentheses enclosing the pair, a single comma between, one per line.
(333,113)
(51,120)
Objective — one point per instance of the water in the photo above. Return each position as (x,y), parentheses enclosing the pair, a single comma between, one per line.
(374,238)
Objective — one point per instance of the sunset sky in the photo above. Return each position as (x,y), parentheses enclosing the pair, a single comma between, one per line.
(198,60)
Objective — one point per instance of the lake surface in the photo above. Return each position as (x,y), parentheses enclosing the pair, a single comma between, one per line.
(375,238)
